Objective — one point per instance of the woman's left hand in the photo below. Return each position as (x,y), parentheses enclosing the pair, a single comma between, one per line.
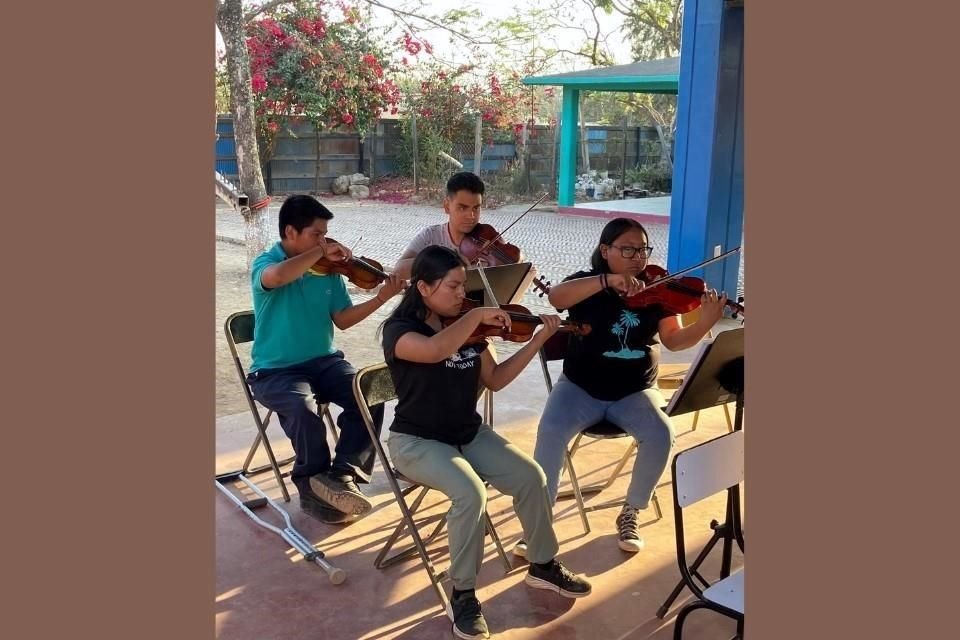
(551,322)
(711,307)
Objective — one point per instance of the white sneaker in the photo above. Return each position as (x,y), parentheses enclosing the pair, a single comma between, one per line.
(520,549)
(628,537)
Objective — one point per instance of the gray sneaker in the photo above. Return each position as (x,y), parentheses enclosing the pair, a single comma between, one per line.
(341,492)
(628,531)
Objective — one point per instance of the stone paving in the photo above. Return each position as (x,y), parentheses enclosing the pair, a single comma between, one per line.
(557,245)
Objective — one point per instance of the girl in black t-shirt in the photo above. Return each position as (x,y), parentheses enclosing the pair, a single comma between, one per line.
(437,438)
(612,372)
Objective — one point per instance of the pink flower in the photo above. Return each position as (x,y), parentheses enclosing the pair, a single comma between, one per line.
(346,118)
(258,83)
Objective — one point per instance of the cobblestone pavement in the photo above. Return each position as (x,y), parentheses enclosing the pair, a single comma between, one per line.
(556,244)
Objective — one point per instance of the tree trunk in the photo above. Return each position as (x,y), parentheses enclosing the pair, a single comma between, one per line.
(664,147)
(231,24)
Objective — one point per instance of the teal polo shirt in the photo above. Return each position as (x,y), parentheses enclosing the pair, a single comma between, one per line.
(293,322)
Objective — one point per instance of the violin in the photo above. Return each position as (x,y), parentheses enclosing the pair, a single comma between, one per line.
(365,273)
(522,324)
(676,296)
(485,245)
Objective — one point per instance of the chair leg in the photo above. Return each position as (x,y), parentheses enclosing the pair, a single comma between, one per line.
(382,561)
(496,542)
(577,494)
(726,413)
(596,488)
(696,419)
(331,425)
(261,438)
(682,617)
(407,518)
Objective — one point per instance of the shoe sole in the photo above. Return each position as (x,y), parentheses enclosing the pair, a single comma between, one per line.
(343,501)
(540,583)
(467,636)
(326,516)
(629,547)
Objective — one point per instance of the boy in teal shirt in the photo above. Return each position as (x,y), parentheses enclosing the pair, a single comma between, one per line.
(296,366)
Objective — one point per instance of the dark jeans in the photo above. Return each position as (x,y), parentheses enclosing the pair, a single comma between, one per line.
(295,392)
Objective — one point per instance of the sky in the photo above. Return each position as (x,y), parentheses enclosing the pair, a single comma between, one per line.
(498,9)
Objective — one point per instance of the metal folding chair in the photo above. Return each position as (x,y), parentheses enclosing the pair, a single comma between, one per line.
(239,330)
(700,472)
(555,348)
(374,385)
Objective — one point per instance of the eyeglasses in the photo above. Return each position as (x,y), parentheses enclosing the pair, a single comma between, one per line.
(630,252)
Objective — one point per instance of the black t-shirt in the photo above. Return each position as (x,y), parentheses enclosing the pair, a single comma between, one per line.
(620,354)
(435,400)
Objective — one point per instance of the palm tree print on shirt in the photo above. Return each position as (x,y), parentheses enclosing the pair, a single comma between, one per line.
(621,329)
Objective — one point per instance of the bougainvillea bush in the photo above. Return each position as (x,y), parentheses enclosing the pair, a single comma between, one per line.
(319,61)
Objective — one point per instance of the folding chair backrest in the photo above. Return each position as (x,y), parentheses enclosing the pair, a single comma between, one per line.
(376,385)
(240,327)
(239,330)
(709,468)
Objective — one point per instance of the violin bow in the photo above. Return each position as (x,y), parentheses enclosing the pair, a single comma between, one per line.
(672,276)
(486,284)
(500,235)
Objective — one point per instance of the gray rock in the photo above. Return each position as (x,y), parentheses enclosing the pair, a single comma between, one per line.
(340,185)
(359,178)
(359,191)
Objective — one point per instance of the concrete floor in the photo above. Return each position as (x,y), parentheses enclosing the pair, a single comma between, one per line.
(266,590)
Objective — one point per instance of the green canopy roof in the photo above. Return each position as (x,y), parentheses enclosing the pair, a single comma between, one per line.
(653,76)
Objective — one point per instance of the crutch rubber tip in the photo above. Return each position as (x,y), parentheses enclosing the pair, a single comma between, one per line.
(337,576)
(255,503)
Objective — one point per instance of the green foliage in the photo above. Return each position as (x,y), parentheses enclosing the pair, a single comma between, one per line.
(653,177)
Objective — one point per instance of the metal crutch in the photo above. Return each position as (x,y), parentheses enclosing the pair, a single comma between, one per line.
(288,533)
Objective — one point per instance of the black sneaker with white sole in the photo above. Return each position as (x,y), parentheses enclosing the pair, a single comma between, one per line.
(468,622)
(341,492)
(556,577)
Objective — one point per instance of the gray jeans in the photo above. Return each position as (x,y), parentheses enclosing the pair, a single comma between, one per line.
(459,473)
(570,410)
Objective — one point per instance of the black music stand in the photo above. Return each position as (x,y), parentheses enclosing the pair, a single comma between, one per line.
(508,281)
(714,378)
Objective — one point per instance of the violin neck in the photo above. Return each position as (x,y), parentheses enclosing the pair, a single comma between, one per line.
(366,266)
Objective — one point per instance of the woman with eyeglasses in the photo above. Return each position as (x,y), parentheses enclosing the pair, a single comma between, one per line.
(611,373)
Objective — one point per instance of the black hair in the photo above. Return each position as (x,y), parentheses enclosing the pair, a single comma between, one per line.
(430,265)
(614,229)
(300,211)
(464,181)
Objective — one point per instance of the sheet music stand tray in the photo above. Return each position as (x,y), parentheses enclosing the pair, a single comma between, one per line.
(714,378)
(508,281)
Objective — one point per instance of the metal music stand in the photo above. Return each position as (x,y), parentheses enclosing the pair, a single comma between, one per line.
(714,378)
(509,282)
